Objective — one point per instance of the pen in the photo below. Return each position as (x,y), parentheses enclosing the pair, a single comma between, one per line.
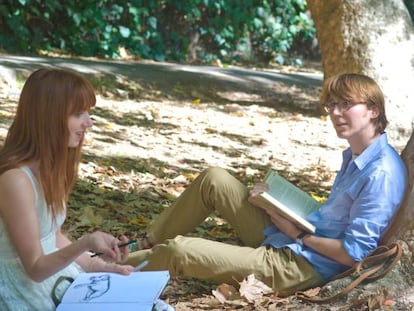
(141,265)
(119,245)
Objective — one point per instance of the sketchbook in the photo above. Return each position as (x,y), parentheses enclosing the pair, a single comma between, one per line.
(111,291)
(289,201)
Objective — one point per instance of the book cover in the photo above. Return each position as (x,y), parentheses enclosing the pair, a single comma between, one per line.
(290,201)
(106,291)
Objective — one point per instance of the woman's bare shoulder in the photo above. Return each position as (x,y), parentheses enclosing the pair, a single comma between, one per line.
(14,175)
(14,180)
(15,190)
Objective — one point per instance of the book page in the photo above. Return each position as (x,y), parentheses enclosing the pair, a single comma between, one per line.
(97,289)
(106,306)
(291,196)
(265,200)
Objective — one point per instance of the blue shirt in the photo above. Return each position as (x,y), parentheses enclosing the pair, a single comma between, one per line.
(365,196)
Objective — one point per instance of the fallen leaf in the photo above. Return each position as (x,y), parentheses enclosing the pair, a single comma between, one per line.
(253,289)
(89,217)
(219,296)
(225,292)
(312,292)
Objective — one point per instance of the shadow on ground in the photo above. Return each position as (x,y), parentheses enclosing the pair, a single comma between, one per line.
(148,80)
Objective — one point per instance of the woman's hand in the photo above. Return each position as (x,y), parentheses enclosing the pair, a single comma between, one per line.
(124,251)
(99,265)
(110,254)
(107,246)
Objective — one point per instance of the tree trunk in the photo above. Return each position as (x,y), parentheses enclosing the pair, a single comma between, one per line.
(375,38)
(403,222)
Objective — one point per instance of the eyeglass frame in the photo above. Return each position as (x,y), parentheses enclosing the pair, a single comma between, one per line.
(342,106)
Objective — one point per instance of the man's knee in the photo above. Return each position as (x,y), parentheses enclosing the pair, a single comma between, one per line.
(223,182)
(215,173)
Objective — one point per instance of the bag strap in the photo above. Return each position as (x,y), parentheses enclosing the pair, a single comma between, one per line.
(371,268)
(59,280)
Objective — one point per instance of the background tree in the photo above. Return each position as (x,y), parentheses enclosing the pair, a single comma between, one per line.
(375,38)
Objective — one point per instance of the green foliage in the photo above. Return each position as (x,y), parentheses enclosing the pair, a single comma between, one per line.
(410,7)
(177,30)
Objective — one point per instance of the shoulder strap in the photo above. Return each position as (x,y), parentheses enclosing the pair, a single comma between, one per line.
(59,280)
(371,268)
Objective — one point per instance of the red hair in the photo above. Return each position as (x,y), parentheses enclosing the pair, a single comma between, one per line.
(39,131)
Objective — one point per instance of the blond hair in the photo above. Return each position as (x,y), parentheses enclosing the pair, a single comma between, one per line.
(356,87)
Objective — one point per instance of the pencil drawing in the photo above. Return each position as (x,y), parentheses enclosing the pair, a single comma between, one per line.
(97,286)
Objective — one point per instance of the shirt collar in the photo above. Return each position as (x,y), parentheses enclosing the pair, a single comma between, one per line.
(372,151)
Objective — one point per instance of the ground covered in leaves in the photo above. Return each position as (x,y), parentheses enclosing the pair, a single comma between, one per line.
(144,149)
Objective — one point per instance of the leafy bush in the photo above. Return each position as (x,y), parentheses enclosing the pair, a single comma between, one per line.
(174,30)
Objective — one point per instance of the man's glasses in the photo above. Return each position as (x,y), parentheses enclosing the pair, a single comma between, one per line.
(341,106)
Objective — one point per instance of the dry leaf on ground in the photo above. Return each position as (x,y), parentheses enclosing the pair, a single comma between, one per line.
(225,292)
(253,289)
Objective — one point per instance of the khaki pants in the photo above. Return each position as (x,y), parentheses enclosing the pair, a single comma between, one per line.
(216,190)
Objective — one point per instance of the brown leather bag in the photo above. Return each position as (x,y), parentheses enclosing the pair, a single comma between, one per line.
(371,268)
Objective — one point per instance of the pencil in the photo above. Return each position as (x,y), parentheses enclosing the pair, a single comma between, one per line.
(119,245)
(141,265)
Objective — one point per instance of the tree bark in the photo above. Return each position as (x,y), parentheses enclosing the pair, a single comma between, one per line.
(375,38)
(403,222)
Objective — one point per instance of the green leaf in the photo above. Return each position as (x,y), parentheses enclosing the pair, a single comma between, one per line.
(124,31)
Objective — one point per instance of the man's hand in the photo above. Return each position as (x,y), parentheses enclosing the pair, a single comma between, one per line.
(329,247)
(284,225)
(256,190)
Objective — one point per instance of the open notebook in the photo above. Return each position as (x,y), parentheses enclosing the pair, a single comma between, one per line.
(110,291)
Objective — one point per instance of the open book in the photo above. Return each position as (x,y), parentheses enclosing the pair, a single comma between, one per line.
(111,291)
(289,201)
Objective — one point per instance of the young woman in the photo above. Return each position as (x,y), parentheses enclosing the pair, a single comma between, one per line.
(38,168)
(365,196)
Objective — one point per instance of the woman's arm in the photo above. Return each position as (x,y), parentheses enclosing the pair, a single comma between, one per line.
(97,264)
(19,215)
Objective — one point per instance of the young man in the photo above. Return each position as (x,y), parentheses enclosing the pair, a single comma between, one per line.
(365,196)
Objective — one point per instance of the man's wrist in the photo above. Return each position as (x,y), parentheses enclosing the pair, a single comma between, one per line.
(300,237)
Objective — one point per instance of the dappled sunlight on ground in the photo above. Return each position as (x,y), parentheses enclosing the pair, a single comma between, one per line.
(141,153)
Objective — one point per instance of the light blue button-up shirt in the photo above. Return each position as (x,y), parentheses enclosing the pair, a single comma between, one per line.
(365,196)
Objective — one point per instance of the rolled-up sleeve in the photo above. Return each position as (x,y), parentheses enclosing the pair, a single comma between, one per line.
(372,210)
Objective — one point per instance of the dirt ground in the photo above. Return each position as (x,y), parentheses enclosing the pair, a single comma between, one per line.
(150,140)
